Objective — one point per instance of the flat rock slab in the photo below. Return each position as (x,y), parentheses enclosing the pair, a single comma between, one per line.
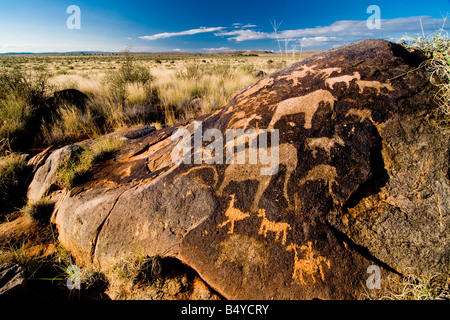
(137,132)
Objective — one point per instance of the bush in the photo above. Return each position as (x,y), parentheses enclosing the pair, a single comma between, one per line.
(437,48)
(69,124)
(129,73)
(12,182)
(22,104)
(39,211)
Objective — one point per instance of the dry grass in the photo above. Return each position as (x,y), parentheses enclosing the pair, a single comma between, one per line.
(433,286)
(123,90)
(12,186)
(437,49)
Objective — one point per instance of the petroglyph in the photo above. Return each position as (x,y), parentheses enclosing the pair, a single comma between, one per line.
(326,73)
(373,84)
(307,104)
(246,252)
(276,227)
(266,82)
(233,215)
(324,143)
(346,79)
(362,84)
(298,74)
(310,265)
(197,168)
(295,76)
(244,172)
(321,172)
(362,114)
(243,121)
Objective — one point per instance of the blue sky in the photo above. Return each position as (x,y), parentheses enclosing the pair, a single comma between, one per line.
(202,26)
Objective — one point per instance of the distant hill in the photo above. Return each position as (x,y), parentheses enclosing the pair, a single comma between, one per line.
(169,53)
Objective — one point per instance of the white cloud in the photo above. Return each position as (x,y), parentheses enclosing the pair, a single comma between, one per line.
(216,49)
(244,35)
(241,25)
(354,29)
(319,41)
(181,33)
(177,50)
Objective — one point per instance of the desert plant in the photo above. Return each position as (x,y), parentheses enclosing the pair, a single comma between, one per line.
(83,159)
(437,48)
(129,73)
(12,181)
(40,211)
(69,124)
(23,99)
(433,286)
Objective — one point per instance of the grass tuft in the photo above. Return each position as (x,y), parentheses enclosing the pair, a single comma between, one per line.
(83,159)
(437,48)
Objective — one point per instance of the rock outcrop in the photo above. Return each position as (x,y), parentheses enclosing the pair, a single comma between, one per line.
(363,179)
(46,175)
(12,281)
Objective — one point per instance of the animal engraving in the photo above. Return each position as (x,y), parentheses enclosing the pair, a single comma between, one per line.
(362,114)
(240,121)
(244,172)
(246,252)
(373,84)
(362,84)
(265,82)
(195,169)
(324,143)
(298,74)
(310,265)
(277,227)
(346,79)
(321,172)
(306,104)
(233,215)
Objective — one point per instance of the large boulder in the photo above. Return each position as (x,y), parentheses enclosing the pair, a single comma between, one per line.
(363,179)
